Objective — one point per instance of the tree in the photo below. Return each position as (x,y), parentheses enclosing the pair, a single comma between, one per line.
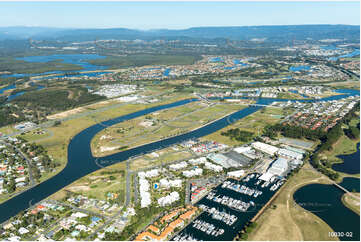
(11,186)
(57,123)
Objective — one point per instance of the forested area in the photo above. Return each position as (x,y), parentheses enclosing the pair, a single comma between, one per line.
(10,115)
(13,65)
(293,132)
(57,99)
(239,135)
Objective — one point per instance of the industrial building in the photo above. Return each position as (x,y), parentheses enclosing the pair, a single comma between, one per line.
(230,159)
(290,154)
(239,158)
(242,149)
(268,149)
(279,167)
(236,174)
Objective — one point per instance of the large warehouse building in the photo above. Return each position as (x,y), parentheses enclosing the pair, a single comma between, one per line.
(290,154)
(268,149)
(279,167)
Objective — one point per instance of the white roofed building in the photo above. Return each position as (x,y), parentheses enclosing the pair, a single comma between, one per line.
(145,199)
(167,200)
(266,148)
(242,149)
(79,215)
(198,161)
(290,154)
(148,174)
(178,166)
(194,172)
(23,230)
(236,174)
(279,167)
(170,183)
(213,167)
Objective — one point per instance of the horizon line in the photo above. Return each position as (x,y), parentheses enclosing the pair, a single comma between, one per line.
(184,28)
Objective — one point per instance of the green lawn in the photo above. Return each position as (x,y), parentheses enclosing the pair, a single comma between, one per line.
(342,147)
(253,123)
(168,123)
(32,136)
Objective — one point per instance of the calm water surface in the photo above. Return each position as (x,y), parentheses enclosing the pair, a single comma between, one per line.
(325,202)
(350,164)
(77,59)
(81,162)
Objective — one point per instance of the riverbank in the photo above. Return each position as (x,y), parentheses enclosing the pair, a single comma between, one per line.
(98,184)
(285,220)
(344,155)
(56,143)
(63,133)
(254,122)
(343,146)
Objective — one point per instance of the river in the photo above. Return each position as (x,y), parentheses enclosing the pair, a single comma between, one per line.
(81,162)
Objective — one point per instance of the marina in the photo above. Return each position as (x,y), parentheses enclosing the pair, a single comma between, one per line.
(229,206)
(79,149)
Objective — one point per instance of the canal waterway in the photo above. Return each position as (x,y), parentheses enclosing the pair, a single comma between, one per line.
(81,162)
(356,52)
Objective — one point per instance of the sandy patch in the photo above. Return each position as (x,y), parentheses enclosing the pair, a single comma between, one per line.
(80,109)
(106,148)
(66,113)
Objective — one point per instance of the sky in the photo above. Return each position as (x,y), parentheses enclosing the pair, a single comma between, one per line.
(175,15)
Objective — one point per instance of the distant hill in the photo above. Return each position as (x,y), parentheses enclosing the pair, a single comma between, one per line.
(22,32)
(271,33)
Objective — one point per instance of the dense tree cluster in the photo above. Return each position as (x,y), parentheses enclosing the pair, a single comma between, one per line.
(352,132)
(57,99)
(10,115)
(239,135)
(293,132)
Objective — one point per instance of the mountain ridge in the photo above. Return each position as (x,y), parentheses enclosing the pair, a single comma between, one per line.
(270,32)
